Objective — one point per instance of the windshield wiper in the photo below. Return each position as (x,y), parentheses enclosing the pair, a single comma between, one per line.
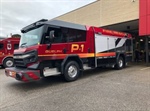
(23,44)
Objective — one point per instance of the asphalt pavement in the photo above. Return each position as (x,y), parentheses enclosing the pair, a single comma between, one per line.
(96,90)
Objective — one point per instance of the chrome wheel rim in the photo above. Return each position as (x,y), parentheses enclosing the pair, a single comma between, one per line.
(72,71)
(120,63)
(9,63)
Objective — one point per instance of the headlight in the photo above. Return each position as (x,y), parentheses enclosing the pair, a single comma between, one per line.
(22,56)
(26,55)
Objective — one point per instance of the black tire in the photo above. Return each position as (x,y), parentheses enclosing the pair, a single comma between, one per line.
(72,71)
(120,63)
(8,62)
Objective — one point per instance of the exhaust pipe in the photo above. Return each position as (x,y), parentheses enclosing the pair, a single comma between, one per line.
(19,76)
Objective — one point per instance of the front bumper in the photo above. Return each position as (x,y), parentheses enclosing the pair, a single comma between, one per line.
(23,74)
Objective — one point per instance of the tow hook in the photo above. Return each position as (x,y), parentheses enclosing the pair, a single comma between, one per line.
(19,76)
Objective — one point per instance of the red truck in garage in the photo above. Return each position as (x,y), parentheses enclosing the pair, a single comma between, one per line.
(7,47)
(67,47)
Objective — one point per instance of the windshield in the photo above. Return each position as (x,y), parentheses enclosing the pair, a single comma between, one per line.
(31,37)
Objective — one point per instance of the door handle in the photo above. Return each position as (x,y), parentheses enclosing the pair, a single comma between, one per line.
(64,50)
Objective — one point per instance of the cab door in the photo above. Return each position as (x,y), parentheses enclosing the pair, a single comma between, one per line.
(54,44)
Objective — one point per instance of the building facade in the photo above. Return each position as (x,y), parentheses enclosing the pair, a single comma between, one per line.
(132,16)
(104,12)
(144,17)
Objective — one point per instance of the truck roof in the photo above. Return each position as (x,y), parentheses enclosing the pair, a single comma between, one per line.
(10,39)
(2,37)
(57,23)
(112,32)
(66,24)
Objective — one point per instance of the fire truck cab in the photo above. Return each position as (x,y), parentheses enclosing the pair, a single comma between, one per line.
(67,47)
(7,47)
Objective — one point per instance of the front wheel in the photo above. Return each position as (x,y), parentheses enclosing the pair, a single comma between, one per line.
(8,62)
(120,63)
(72,71)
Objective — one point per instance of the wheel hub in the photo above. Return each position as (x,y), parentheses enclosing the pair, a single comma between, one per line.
(120,63)
(9,63)
(72,71)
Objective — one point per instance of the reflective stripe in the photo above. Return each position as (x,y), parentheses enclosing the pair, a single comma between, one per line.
(29,76)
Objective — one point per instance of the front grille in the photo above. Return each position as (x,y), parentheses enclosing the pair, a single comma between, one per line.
(22,62)
(19,62)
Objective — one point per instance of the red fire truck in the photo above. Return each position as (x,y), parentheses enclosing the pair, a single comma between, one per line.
(7,46)
(67,47)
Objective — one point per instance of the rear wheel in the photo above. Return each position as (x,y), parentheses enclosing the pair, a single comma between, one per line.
(8,62)
(72,71)
(120,63)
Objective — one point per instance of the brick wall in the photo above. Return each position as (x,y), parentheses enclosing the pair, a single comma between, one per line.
(104,12)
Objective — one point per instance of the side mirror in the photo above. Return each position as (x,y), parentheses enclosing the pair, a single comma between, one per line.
(51,35)
(49,39)
(48,46)
(48,42)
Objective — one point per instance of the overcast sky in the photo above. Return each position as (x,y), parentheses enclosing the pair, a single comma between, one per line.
(16,14)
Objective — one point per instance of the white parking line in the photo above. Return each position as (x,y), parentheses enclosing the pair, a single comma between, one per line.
(145,68)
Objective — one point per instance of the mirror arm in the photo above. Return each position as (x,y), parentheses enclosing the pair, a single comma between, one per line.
(48,46)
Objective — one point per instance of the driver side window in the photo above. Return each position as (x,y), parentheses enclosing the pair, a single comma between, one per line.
(55,35)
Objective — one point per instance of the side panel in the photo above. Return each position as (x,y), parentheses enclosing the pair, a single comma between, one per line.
(101,43)
(107,47)
(105,50)
(111,44)
(107,44)
(120,44)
